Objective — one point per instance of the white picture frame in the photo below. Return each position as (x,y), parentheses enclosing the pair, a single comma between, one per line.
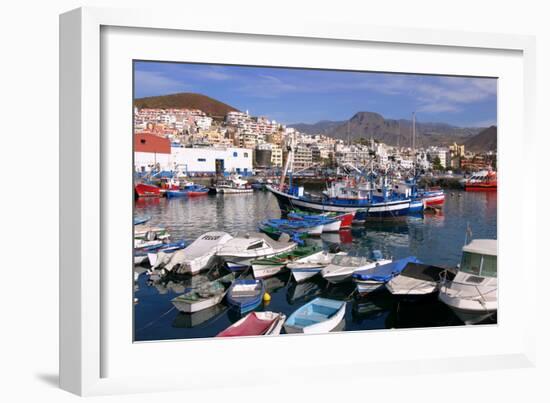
(86,300)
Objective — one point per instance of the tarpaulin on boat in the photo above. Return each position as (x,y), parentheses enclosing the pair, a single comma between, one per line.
(423,272)
(385,272)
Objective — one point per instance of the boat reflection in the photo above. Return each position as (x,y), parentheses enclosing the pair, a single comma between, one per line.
(304,291)
(372,309)
(190,320)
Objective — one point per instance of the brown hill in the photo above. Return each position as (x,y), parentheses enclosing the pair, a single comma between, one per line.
(186,100)
(364,125)
(486,140)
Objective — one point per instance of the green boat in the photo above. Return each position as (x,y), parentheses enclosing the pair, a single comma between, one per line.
(268,267)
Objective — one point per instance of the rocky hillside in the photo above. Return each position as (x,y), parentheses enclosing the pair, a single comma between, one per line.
(186,100)
(390,131)
(486,140)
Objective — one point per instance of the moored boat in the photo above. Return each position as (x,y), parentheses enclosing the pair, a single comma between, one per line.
(256,324)
(472,293)
(204,296)
(342,267)
(240,251)
(245,294)
(309,227)
(321,315)
(141,220)
(309,266)
(198,256)
(417,280)
(235,184)
(485,180)
(147,190)
(373,279)
(268,267)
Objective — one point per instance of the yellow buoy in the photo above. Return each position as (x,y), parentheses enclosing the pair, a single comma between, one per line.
(267,297)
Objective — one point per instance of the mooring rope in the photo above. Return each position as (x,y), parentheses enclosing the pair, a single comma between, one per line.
(156,320)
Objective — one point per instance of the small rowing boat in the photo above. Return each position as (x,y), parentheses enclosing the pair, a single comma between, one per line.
(321,315)
(256,324)
(373,279)
(245,295)
(204,296)
(270,266)
(309,266)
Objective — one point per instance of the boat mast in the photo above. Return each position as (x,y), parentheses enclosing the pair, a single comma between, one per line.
(413,143)
(289,157)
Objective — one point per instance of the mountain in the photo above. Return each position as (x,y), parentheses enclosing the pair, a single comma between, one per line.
(364,125)
(321,127)
(486,140)
(186,100)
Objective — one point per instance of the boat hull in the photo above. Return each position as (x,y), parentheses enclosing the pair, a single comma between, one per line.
(145,190)
(190,307)
(266,270)
(375,211)
(307,325)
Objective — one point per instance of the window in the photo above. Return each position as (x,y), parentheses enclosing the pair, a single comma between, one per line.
(235,153)
(489,268)
(471,263)
(245,155)
(202,160)
(255,245)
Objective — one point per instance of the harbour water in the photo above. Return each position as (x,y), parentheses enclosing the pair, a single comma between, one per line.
(433,238)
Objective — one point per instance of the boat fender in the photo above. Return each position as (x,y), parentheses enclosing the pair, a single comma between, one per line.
(267,297)
(150,235)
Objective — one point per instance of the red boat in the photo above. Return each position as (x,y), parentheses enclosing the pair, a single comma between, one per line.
(256,324)
(145,190)
(347,219)
(481,181)
(433,197)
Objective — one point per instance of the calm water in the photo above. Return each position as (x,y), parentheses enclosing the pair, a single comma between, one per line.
(435,239)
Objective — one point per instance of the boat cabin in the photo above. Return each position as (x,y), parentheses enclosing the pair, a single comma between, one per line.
(479,258)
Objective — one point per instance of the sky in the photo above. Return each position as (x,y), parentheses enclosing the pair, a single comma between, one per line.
(308,96)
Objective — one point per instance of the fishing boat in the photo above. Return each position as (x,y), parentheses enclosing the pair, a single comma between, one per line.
(146,190)
(204,296)
(194,190)
(256,324)
(175,193)
(342,267)
(472,293)
(239,252)
(321,315)
(141,220)
(373,279)
(309,266)
(417,280)
(198,256)
(309,227)
(245,294)
(275,233)
(268,267)
(485,180)
(235,184)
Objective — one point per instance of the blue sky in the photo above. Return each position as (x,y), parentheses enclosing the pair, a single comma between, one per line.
(300,95)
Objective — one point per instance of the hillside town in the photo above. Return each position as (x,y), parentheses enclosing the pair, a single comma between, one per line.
(191,142)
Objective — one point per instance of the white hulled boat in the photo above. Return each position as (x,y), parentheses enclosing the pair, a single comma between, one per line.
(197,256)
(309,266)
(472,294)
(240,251)
(235,184)
(342,267)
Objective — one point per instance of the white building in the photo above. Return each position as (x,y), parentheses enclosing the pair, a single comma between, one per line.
(199,160)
